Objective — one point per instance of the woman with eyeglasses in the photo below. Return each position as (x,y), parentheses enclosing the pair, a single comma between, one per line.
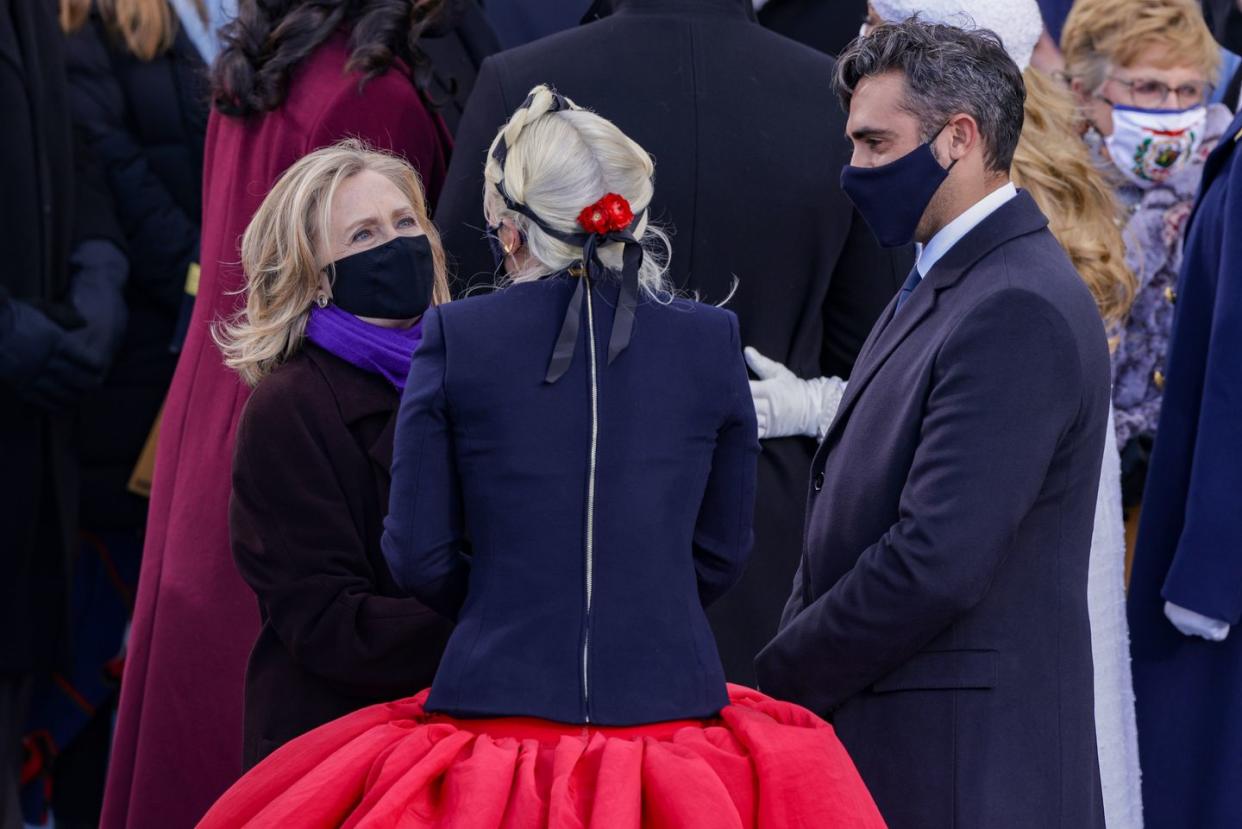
(1143,72)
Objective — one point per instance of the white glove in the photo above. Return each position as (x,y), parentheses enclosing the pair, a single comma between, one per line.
(1196,624)
(786,405)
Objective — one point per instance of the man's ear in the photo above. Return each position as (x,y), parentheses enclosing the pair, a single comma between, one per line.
(963,136)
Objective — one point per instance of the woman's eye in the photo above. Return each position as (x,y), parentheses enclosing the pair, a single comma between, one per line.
(361,236)
(408,221)
(1191,93)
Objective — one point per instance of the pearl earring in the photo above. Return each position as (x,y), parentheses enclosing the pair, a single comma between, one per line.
(322,300)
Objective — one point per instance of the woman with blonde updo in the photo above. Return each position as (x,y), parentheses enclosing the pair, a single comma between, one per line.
(593,436)
(341,264)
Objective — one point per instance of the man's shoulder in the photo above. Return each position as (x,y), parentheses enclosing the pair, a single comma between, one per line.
(1036,263)
(1030,280)
(770,56)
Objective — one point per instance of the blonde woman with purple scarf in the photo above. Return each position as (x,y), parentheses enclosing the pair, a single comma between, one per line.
(341,263)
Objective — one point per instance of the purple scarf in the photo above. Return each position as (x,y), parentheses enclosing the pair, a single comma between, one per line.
(383,351)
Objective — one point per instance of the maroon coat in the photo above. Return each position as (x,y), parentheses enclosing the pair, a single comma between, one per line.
(310,492)
(178,739)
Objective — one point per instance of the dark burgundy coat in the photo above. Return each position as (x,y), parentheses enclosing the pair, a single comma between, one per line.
(194,618)
(310,491)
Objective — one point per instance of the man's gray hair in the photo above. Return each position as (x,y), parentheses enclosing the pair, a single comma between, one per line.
(947,71)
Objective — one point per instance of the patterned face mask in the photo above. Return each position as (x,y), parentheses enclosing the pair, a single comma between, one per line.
(1149,145)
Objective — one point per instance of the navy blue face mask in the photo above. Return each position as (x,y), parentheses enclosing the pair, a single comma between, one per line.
(393,281)
(892,198)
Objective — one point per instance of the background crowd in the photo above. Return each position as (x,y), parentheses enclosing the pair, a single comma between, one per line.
(143,136)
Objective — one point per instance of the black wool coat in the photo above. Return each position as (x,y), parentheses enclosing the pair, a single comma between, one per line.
(310,492)
(145,122)
(52,195)
(456,45)
(748,143)
(828,27)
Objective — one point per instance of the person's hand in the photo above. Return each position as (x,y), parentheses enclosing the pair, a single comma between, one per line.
(97,291)
(40,361)
(1196,624)
(786,405)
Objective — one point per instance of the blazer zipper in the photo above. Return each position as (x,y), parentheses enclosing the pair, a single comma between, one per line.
(590,503)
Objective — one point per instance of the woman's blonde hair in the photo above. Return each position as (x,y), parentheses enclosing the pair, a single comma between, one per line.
(1100,35)
(1054,166)
(279,254)
(559,161)
(147,27)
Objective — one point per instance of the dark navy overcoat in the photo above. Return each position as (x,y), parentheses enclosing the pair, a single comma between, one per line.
(940,612)
(1189,691)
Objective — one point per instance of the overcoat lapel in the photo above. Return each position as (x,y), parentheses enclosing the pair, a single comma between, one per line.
(1017,217)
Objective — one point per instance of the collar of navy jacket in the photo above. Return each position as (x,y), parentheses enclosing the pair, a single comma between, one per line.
(1017,217)
(1215,162)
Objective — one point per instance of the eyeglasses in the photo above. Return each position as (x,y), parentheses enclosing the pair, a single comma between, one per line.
(1149,94)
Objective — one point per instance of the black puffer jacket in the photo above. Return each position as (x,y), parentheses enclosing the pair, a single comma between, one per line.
(145,121)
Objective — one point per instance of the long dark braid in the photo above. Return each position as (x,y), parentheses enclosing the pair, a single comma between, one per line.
(270,38)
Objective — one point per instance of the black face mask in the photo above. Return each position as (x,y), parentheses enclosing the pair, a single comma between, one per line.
(892,198)
(393,281)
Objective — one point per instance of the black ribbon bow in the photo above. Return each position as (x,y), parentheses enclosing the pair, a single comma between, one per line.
(631,259)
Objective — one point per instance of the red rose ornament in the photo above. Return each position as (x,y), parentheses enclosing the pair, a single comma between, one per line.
(610,213)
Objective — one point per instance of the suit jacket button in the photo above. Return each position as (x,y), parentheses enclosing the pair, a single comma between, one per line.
(819,481)
(1157,377)
(1170,295)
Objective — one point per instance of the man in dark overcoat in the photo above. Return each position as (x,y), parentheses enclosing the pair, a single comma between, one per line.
(939,615)
(62,314)
(748,145)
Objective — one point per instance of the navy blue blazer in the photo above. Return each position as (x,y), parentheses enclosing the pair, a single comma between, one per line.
(582,596)
(940,612)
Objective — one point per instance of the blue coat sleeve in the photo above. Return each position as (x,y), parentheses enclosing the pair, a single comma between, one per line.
(1206,573)
(423,534)
(723,534)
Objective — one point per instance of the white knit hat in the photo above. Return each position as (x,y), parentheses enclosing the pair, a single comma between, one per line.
(1016,21)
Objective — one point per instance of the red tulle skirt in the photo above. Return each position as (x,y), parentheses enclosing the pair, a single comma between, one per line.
(761,763)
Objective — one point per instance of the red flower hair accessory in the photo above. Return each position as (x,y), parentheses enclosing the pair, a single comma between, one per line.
(610,213)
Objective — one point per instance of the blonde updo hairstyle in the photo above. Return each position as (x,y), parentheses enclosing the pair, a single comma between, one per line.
(279,254)
(560,162)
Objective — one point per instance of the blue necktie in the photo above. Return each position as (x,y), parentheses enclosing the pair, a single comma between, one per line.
(912,282)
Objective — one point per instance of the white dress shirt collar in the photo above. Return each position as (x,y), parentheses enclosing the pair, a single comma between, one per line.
(952,233)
